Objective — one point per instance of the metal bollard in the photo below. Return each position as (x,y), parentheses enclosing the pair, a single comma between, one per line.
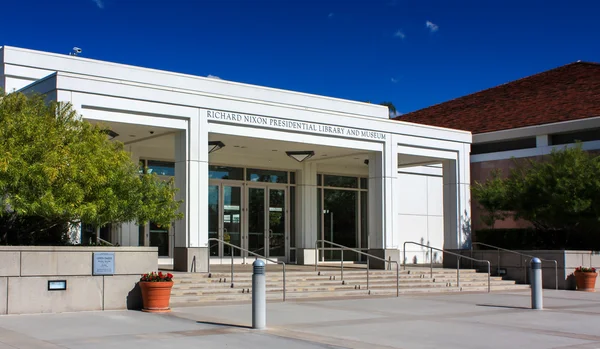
(259,296)
(536,284)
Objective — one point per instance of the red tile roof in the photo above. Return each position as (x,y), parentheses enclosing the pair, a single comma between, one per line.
(565,93)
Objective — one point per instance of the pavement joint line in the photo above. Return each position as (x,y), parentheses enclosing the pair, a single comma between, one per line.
(542,331)
(320,339)
(24,341)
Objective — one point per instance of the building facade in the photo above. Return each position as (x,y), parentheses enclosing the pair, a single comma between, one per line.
(267,170)
(523,119)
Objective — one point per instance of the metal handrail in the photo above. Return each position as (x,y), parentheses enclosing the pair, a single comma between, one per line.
(459,256)
(342,248)
(99,239)
(524,255)
(250,252)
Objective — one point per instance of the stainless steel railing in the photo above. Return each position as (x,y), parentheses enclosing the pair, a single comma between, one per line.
(459,256)
(342,248)
(249,252)
(524,263)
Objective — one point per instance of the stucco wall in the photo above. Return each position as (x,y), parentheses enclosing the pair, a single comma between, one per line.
(420,213)
(26,270)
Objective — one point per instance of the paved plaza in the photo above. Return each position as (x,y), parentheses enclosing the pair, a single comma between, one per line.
(498,320)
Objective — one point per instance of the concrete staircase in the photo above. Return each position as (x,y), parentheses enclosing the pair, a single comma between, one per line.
(192,289)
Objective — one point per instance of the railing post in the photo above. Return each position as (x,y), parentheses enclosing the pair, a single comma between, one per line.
(489,276)
(397,280)
(231,267)
(367,272)
(404,256)
(556,274)
(208,258)
(431,262)
(342,263)
(458,271)
(316,254)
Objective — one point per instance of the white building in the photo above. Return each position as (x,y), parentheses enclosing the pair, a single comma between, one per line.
(371,184)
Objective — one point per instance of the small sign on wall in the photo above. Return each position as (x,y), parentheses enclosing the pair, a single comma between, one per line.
(104,263)
(57,285)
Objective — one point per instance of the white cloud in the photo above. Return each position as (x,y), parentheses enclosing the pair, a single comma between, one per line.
(432,26)
(213,77)
(399,34)
(394,80)
(330,15)
(99,3)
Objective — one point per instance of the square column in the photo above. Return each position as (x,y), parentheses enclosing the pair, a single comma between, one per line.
(383,176)
(457,208)
(191,178)
(306,214)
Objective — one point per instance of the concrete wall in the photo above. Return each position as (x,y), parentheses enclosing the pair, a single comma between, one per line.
(516,267)
(26,270)
(420,211)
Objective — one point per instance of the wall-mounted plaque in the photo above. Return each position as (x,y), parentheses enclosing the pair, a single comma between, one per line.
(104,263)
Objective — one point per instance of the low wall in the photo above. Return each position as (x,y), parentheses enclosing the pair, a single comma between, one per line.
(515,267)
(26,270)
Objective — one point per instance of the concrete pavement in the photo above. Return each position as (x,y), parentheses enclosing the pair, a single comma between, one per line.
(498,320)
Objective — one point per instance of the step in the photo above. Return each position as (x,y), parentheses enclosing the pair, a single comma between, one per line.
(187,301)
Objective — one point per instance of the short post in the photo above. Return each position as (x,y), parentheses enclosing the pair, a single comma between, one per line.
(536,284)
(259,296)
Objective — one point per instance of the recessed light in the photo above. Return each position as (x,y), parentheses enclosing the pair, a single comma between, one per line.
(243,147)
(274,150)
(131,135)
(236,146)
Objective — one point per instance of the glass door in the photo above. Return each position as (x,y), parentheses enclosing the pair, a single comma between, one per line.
(277,223)
(256,220)
(224,218)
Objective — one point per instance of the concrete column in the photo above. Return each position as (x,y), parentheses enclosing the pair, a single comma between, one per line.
(457,197)
(383,177)
(191,178)
(542,141)
(306,214)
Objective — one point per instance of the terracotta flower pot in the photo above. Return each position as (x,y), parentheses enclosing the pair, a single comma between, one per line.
(586,281)
(156,296)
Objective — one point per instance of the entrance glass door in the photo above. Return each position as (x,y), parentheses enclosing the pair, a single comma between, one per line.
(267,224)
(224,218)
(256,220)
(277,224)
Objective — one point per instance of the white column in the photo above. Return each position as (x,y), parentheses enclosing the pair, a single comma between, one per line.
(376,201)
(191,178)
(306,214)
(457,197)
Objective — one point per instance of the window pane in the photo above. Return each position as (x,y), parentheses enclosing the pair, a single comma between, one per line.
(161,168)
(292,177)
(271,176)
(225,172)
(319,180)
(292,216)
(340,181)
(364,223)
(364,183)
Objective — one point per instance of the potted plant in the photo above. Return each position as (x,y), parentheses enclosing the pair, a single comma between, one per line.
(586,279)
(156,291)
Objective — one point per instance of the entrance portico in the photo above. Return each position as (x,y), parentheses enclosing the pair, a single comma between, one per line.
(251,193)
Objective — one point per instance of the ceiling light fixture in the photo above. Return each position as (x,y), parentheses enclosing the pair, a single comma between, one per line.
(300,155)
(111,134)
(214,146)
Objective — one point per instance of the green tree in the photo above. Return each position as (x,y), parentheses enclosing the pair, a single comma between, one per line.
(561,192)
(57,169)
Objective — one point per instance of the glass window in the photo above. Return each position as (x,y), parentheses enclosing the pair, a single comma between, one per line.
(271,176)
(340,181)
(161,168)
(364,223)
(292,177)
(225,172)
(141,166)
(292,216)
(364,183)
(319,180)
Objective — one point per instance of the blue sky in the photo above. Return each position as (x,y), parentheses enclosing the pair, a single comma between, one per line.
(412,53)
